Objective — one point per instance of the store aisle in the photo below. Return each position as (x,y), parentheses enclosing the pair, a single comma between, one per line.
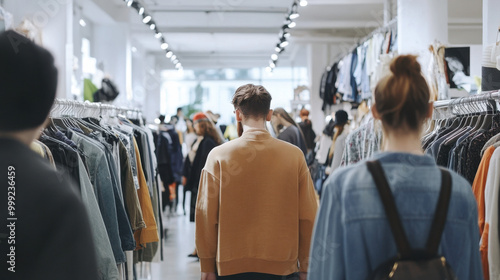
(179,243)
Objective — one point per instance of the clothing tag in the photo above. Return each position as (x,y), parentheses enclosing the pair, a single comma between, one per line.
(136,182)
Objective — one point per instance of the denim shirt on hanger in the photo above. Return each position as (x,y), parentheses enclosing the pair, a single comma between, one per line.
(100,176)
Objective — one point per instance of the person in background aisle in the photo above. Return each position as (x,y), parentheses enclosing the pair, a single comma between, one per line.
(338,131)
(51,237)
(352,236)
(215,118)
(181,122)
(208,138)
(287,129)
(309,134)
(170,160)
(255,211)
(190,138)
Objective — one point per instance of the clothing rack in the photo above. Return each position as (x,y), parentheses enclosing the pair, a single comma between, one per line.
(495,94)
(380,29)
(81,109)
(476,103)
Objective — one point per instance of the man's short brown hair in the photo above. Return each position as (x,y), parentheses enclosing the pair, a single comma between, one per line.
(252,100)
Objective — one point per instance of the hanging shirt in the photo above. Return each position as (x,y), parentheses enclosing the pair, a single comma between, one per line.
(149,233)
(478,187)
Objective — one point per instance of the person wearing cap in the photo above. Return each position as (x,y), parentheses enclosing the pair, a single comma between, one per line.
(306,127)
(44,226)
(256,202)
(207,139)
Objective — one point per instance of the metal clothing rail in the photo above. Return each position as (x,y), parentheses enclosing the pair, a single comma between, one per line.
(495,94)
(77,107)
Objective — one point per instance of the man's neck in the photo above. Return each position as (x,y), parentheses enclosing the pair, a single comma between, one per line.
(255,124)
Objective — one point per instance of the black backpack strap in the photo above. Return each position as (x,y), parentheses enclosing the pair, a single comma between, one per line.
(404,248)
(440,214)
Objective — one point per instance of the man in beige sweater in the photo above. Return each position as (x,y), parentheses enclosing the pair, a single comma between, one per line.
(256,202)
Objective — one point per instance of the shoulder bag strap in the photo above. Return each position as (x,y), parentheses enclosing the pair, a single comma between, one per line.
(440,215)
(391,211)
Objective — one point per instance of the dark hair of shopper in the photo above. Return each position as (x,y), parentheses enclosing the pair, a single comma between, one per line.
(252,100)
(282,113)
(402,98)
(28,82)
(206,128)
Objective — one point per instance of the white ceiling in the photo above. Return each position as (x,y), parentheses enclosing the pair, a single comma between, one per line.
(243,33)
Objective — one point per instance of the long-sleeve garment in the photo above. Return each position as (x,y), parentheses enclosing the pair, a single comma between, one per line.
(52,233)
(293,136)
(491,233)
(478,187)
(148,234)
(192,170)
(352,236)
(256,207)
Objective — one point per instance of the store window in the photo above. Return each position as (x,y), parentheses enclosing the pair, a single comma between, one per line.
(212,89)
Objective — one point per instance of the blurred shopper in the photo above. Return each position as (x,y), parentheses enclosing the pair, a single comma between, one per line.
(208,139)
(45,231)
(288,130)
(352,235)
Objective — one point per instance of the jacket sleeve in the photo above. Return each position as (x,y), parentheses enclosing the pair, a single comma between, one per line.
(308,205)
(326,255)
(207,212)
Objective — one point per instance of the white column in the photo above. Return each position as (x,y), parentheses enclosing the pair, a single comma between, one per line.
(420,23)
(152,85)
(491,21)
(112,49)
(317,56)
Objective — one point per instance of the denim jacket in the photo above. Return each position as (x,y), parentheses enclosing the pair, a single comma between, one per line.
(352,236)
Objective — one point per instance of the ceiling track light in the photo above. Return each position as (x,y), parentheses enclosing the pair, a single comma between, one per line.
(284,44)
(294,13)
(274,57)
(146,19)
(292,25)
(272,64)
(303,3)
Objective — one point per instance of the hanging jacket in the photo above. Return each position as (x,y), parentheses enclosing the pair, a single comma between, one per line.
(169,155)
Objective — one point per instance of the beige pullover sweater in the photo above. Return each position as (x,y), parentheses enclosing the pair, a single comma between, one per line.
(256,207)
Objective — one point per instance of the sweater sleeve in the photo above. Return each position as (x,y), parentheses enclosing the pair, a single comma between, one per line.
(308,205)
(207,212)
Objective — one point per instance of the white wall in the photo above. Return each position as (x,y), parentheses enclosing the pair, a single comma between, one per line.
(112,50)
(55,20)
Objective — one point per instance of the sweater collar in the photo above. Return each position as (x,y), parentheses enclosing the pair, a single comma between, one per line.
(256,134)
